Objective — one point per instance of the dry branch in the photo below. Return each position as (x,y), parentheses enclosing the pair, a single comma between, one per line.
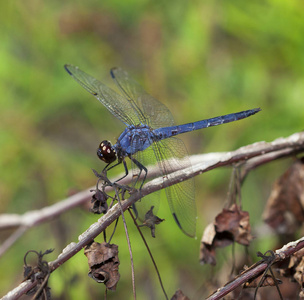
(251,155)
(257,269)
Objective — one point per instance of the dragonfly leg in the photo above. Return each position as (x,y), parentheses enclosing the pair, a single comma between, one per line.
(141,168)
(107,168)
(126,171)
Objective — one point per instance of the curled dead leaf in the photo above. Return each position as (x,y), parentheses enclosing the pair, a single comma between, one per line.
(284,211)
(267,280)
(151,221)
(179,295)
(99,202)
(231,225)
(235,221)
(42,271)
(298,276)
(103,262)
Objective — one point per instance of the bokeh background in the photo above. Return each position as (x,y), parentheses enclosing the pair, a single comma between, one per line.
(200,58)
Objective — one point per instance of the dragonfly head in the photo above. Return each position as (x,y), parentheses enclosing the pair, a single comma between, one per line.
(106,152)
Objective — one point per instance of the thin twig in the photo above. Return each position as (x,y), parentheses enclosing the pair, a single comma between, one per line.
(12,239)
(150,253)
(129,244)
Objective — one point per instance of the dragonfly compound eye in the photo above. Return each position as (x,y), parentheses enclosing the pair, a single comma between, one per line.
(106,152)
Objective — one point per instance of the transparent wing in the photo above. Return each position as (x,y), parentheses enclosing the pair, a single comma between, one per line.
(136,107)
(172,154)
(117,104)
(149,110)
(146,158)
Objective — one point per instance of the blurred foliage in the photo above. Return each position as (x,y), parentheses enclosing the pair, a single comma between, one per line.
(201,58)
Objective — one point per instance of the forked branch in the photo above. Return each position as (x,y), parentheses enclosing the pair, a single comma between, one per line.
(250,156)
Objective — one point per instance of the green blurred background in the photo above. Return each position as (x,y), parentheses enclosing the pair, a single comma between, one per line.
(200,58)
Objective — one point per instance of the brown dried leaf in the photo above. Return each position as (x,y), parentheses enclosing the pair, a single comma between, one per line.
(298,276)
(236,222)
(207,254)
(179,295)
(40,272)
(295,259)
(267,280)
(99,202)
(231,225)
(211,240)
(103,262)
(209,234)
(151,221)
(293,269)
(284,211)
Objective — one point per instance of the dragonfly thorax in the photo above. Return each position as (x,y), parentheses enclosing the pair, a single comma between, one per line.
(106,152)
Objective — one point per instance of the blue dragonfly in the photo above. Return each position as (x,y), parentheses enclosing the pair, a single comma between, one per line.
(149,138)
